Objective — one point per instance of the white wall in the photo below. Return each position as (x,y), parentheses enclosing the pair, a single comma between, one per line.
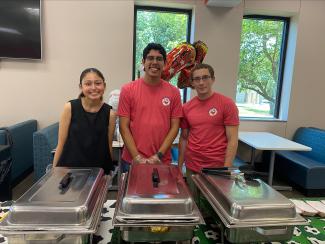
(220,28)
(79,34)
(308,89)
(76,35)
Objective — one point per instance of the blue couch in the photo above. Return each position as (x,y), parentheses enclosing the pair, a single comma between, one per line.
(305,169)
(22,149)
(44,141)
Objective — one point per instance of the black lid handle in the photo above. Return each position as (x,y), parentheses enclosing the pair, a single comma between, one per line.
(155,177)
(65,182)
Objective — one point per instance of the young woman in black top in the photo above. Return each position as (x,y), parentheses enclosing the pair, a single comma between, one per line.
(87,126)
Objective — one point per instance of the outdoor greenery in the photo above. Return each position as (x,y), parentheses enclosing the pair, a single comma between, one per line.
(166,28)
(260,50)
(260,53)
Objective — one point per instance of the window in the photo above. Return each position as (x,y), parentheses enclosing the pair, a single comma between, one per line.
(166,26)
(262,52)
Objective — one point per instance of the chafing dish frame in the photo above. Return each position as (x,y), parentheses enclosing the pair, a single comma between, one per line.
(247,231)
(48,234)
(194,217)
(136,229)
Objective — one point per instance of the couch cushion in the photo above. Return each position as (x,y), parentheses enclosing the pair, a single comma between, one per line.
(314,138)
(302,170)
(300,159)
(22,148)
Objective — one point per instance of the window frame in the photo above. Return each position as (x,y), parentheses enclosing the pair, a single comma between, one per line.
(283,53)
(167,10)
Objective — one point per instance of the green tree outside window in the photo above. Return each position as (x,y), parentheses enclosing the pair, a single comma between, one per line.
(168,27)
(259,77)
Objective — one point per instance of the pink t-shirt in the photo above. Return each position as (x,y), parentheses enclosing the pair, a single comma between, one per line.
(150,109)
(206,121)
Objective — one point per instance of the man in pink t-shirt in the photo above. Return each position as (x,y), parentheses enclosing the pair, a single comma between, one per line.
(209,136)
(149,110)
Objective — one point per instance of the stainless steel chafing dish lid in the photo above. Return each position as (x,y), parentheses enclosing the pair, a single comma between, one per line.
(146,218)
(156,190)
(64,196)
(248,203)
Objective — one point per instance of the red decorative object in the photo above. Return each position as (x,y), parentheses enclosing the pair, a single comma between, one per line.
(182,59)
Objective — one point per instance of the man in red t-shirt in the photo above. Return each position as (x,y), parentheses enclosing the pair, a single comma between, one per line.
(209,136)
(149,110)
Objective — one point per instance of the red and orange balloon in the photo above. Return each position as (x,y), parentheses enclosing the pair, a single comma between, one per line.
(182,59)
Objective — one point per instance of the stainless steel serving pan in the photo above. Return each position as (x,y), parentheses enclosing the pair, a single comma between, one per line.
(153,197)
(250,211)
(140,200)
(169,194)
(48,239)
(74,206)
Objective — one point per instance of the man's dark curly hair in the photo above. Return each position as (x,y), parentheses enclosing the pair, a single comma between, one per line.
(154,46)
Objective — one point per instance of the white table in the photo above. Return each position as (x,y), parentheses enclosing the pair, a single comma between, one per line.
(270,142)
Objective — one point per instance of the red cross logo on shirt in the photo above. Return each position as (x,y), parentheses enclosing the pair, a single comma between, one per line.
(165,101)
(213,112)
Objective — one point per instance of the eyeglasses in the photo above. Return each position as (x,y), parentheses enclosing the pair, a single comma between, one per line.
(90,83)
(203,78)
(152,58)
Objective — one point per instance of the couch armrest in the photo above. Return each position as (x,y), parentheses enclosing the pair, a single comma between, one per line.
(44,141)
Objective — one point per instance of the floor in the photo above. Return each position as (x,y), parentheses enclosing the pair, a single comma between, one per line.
(29,180)
(23,186)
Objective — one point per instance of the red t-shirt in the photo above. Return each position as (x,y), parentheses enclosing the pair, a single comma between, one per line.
(206,121)
(150,109)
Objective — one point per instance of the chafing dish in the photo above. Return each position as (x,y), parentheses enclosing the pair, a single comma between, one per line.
(250,210)
(154,204)
(64,206)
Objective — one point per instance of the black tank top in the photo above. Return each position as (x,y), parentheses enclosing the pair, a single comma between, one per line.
(87,141)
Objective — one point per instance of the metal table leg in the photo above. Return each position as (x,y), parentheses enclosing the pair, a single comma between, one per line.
(253,157)
(271,171)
